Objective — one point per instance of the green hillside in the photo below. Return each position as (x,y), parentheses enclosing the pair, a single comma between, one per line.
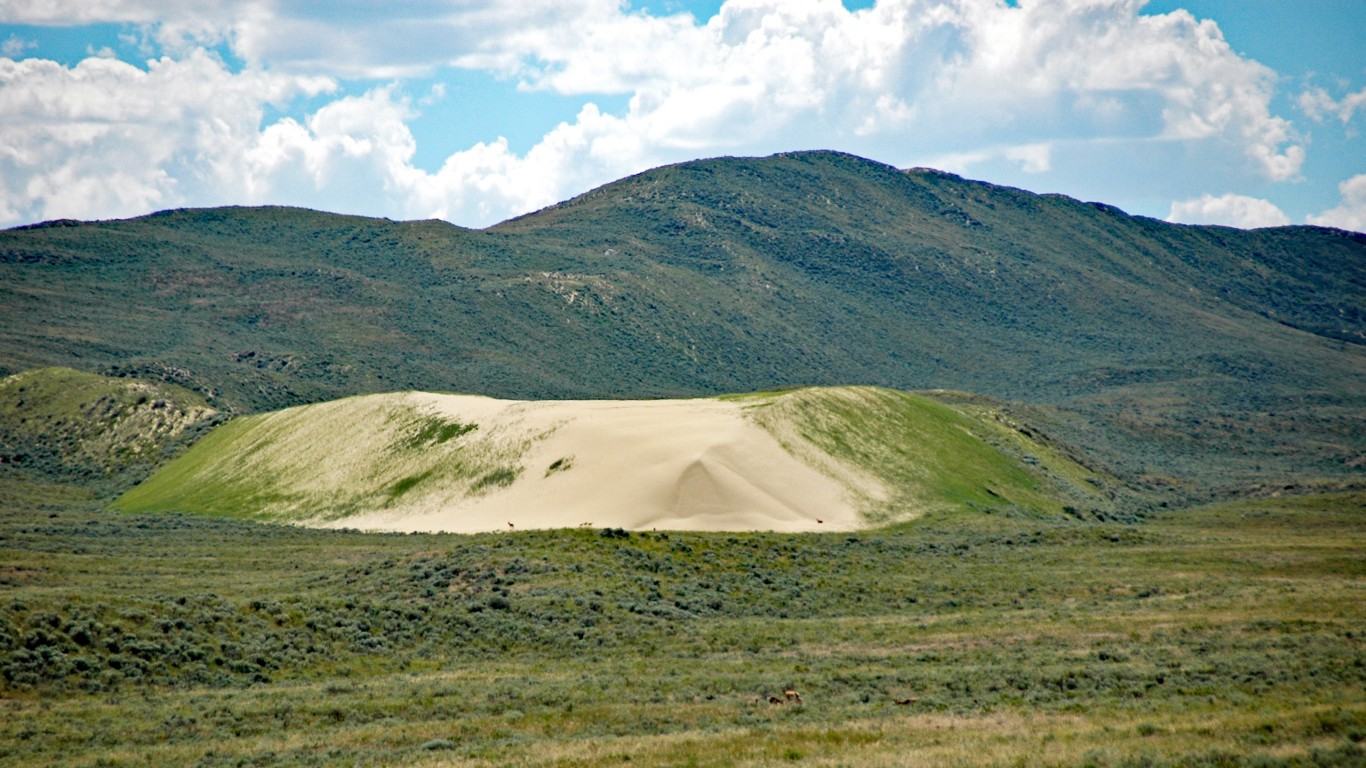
(61,425)
(1189,360)
(932,457)
(320,462)
(899,455)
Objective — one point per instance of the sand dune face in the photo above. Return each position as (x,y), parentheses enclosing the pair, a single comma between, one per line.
(819,459)
(668,464)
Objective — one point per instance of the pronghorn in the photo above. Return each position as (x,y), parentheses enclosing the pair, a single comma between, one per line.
(791,695)
(775,700)
(907,700)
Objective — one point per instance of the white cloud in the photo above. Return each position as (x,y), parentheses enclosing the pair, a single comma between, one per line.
(1229,210)
(1029,158)
(177,26)
(970,81)
(1351,212)
(15,46)
(105,138)
(1033,158)
(909,79)
(1317,104)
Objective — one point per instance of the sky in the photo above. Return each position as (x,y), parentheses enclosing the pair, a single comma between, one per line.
(1247,113)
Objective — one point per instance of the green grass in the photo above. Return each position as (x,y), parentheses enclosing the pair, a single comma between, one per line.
(325,461)
(407,484)
(435,431)
(227,501)
(1221,635)
(501,477)
(930,456)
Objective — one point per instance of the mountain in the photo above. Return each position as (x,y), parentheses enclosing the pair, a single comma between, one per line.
(1187,359)
(809,459)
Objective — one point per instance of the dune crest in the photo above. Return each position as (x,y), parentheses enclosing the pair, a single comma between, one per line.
(666,464)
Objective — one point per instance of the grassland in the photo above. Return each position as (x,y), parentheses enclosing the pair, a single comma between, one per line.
(1222,636)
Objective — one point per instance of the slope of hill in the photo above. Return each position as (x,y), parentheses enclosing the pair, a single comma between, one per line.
(1182,357)
(57,424)
(812,459)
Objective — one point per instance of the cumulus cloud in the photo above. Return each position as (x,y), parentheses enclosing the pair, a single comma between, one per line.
(105,138)
(943,75)
(176,26)
(904,81)
(1229,210)
(1351,212)
(355,154)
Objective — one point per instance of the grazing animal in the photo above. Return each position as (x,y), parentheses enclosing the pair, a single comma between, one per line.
(819,521)
(905,701)
(792,696)
(511,526)
(775,700)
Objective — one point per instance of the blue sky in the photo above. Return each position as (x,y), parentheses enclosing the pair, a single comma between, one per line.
(1239,112)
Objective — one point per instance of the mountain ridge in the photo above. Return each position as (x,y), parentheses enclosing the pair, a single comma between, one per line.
(1191,356)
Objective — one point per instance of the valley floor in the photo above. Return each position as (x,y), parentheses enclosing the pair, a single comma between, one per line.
(1223,635)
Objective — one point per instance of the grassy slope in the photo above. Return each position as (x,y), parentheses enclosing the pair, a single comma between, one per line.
(1197,357)
(932,457)
(321,461)
(364,453)
(1227,635)
(61,424)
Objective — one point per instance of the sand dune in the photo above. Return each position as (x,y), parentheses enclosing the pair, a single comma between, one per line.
(818,459)
(667,464)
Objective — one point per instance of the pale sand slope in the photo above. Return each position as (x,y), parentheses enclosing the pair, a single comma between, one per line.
(666,464)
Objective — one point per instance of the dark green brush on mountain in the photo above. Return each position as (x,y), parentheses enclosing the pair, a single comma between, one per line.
(95,431)
(1192,358)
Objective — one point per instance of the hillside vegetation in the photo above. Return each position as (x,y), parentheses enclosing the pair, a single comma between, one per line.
(808,459)
(1189,360)
(62,425)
